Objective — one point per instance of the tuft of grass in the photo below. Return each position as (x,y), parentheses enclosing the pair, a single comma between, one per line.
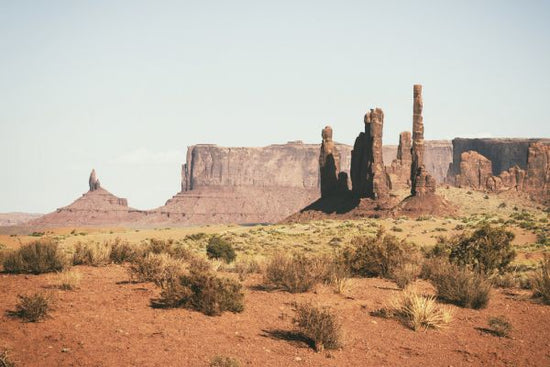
(69,280)
(320,325)
(37,257)
(342,284)
(420,312)
(33,307)
(224,361)
(500,326)
(540,281)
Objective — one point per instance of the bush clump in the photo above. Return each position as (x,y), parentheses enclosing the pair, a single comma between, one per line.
(123,251)
(157,268)
(458,285)
(500,326)
(69,280)
(381,255)
(33,307)
(223,361)
(541,280)
(485,250)
(218,248)
(320,325)
(297,273)
(92,253)
(203,291)
(42,256)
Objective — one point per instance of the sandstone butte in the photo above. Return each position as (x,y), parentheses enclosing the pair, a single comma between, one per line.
(268,184)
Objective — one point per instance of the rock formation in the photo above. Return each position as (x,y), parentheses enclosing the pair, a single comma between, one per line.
(368,173)
(537,178)
(400,169)
(475,171)
(421,181)
(329,164)
(93,181)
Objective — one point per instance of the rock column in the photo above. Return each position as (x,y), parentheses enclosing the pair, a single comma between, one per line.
(421,181)
(93,181)
(368,174)
(329,163)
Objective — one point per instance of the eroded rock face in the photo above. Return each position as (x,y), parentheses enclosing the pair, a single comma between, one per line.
(368,173)
(475,170)
(329,164)
(400,169)
(93,181)
(538,171)
(421,181)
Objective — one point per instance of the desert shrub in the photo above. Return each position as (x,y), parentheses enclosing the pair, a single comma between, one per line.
(33,307)
(319,324)
(500,326)
(92,253)
(297,273)
(157,268)
(68,280)
(505,280)
(203,291)
(247,265)
(377,256)
(541,280)
(405,274)
(219,248)
(418,311)
(223,361)
(5,360)
(486,249)
(342,284)
(158,246)
(123,251)
(460,286)
(42,256)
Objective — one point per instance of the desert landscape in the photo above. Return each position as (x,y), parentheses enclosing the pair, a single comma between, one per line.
(410,227)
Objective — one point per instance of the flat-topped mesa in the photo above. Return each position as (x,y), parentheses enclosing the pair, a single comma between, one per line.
(421,181)
(368,174)
(329,164)
(93,181)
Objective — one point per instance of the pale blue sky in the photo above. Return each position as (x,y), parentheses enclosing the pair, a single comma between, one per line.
(126,86)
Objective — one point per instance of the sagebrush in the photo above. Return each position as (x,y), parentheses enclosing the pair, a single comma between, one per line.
(37,257)
(320,324)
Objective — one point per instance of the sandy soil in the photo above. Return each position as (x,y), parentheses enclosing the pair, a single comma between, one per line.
(109,322)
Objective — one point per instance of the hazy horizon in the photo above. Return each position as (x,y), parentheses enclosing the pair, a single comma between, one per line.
(125,87)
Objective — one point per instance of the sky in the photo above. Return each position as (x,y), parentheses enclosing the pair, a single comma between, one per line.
(126,86)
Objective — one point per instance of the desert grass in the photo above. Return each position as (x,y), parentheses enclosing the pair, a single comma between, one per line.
(37,257)
(69,280)
(419,312)
(320,325)
(92,253)
(541,280)
(33,307)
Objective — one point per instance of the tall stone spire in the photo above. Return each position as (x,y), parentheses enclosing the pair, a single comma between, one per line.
(93,181)
(329,163)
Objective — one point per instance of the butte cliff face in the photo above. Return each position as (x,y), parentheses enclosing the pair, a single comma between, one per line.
(523,165)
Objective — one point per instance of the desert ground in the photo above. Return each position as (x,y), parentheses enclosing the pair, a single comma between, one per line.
(111,318)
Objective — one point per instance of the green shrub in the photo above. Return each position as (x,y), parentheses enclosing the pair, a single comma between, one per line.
(461,286)
(218,248)
(92,253)
(319,324)
(485,250)
(541,280)
(33,307)
(377,256)
(500,326)
(203,291)
(297,273)
(42,256)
